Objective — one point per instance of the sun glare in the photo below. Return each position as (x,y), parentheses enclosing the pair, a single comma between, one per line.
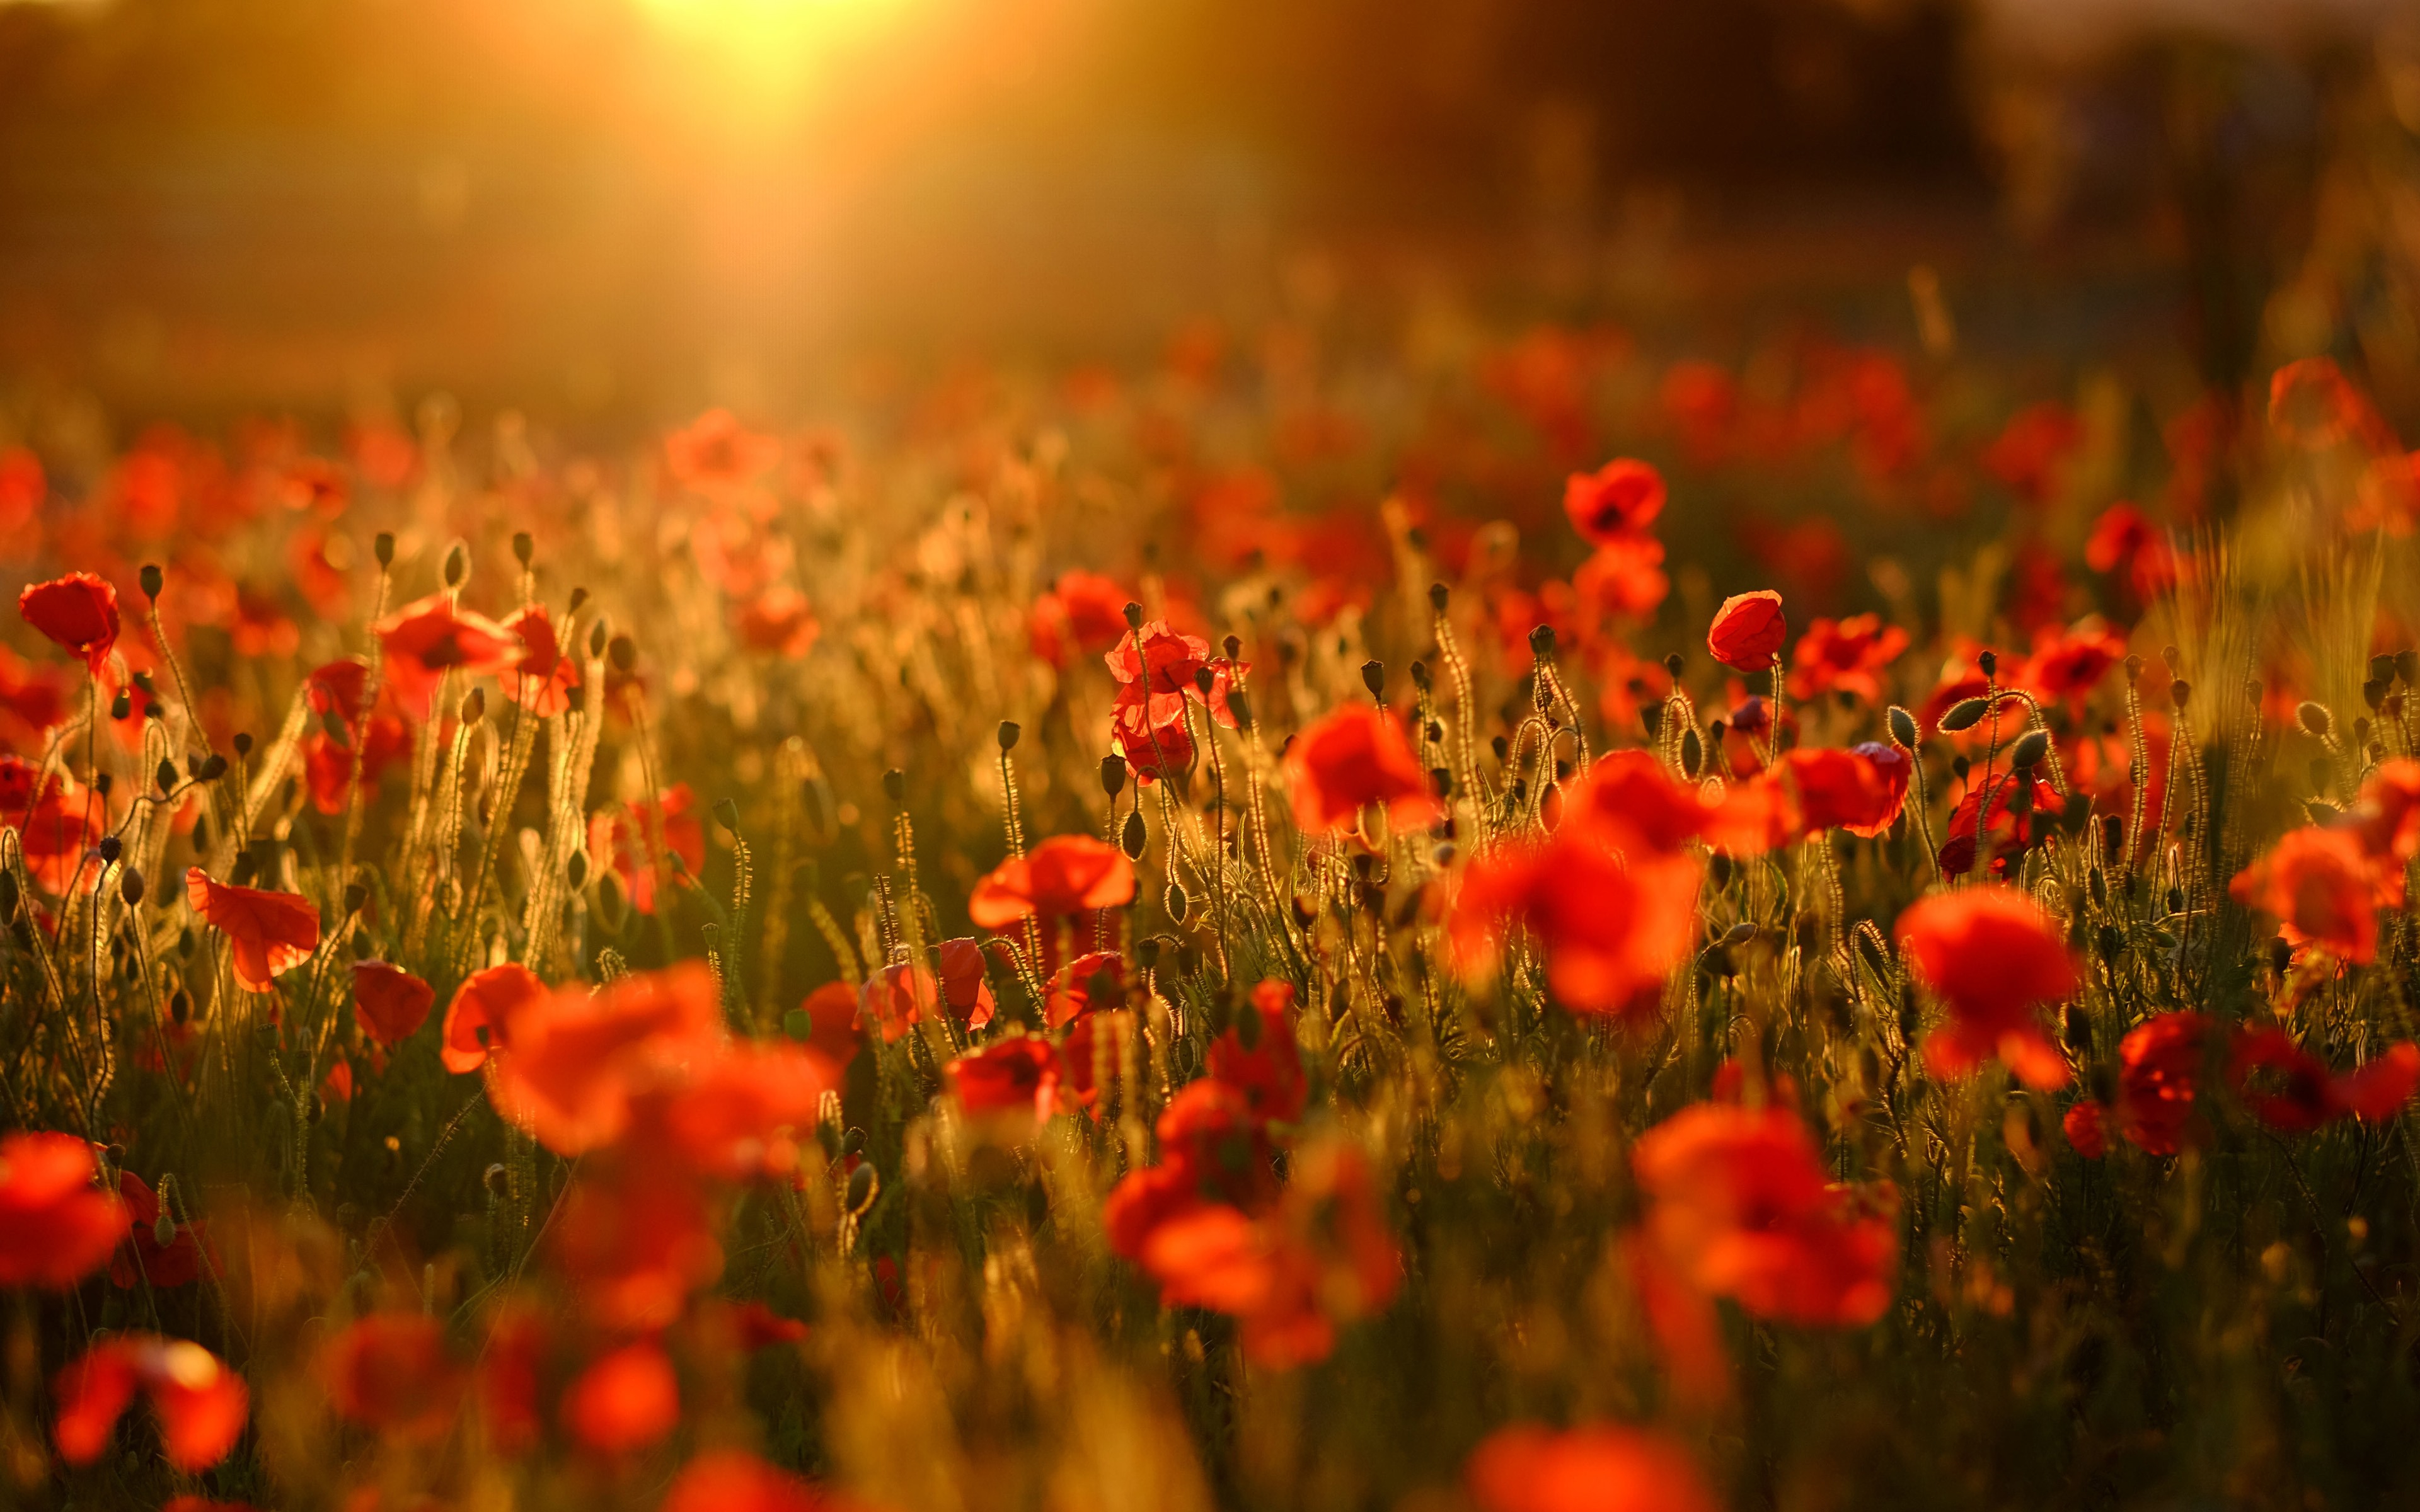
(769,54)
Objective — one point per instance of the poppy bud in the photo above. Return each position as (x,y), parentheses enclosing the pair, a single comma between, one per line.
(1989,662)
(2113,944)
(2133,669)
(130,888)
(575,869)
(497,1181)
(1176,902)
(2406,667)
(1134,616)
(1960,767)
(2078,1030)
(2096,882)
(1911,1017)
(2314,717)
(579,597)
(2113,839)
(153,711)
(599,629)
(861,1185)
(213,768)
(123,704)
(894,785)
(1963,715)
(1501,746)
(2180,692)
(382,546)
(1373,678)
(523,548)
(625,653)
(1113,775)
(1009,731)
(2030,749)
(2321,812)
(575,699)
(1437,597)
(1672,665)
(474,705)
(1241,707)
(180,1006)
(2322,775)
(151,579)
(726,814)
(163,1228)
(167,776)
(458,563)
(2381,667)
(9,895)
(1693,751)
(1650,717)
(111,848)
(242,743)
(1441,781)
(1902,727)
(104,782)
(356,897)
(2281,954)
(1132,838)
(1719,869)
(1420,674)
(1234,647)
(1542,641)
(1738,935)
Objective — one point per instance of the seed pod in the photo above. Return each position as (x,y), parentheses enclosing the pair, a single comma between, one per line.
(1441,781)
(1009,731)
(726,814)
(242,743)
(151,579)
(1960,767)
(213,768)
(2180,692)
(2133,669)
(1420,671)
(523,548)
(1373,678)
(1542,642)
(1133,838)
(1437,597)
(1989,662)
(1233,645)
(382,547)
(1963,715)
(2374,693)
(1673,663)
(1134,616)
(130,888)
(2381,667)
(2030,750)
(1113,775)
(1501,746)
(122,705)
(109,848)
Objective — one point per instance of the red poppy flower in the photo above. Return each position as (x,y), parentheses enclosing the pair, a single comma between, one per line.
(576,1058)
(1620,499)
(78,611)
(1630,798)
(2159,1070)
(1083,614)
(2069,664)
(268,933)
(1017,1075)
(634,1244)
(1091,1058)
(507,1378)
(427,638)
(2124,543)
(716,452)
(1064,875)
(1622,579)
(963,984)
(1258,1055)
(832,1023)
(2388,814)
(542,675)
(649,831)
(478,1021)
(2030,454)
(897,998)
(144,1257)
(729,1480)
(56,1226)
(200,1403)
(31,698)
(1595,1468)
(759,1327)
(779,621)
(2011,826)
(2292,1090)
(1077,988)
(2323,887)
(1151,734)
(1859,790)
(328,767)
(626,1401)
(1353,758)
(1613,928)
(743,1111)
(388,1001)
(1994,956)
(1845,657)
(2085,1125)
(389,1371)
(1167,662)
(2311,403)
(1748,630)
(1738,1202)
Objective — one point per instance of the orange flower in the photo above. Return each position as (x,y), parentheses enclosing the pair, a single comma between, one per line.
(1844,656)
(963,987)
(832,1023)
(2013,824)
(56,1227)
(779,621)
(1084,612)
(897,998)
(57,826)
(78,611)
(2388,811)
(650,829)
(2069,664)
(1017,1076)
(730,1480)
(1352,758)
(1064,875)
(201,1404)
(1739,1205)
(1595,1468)
(634,1243)
(741,1111)
(388,1001)
(542,676)
(478,1021)
(1622,579)
(1859,790)
(1994,956)
(1258,1055)
(577,1058)
(716,452)
(1613,927)
(1629,798)
(2323,887)
(427,637)
(389,1371)
(1748,630)
(1619,499)
(269,933)
(1167,660)
(626,1401)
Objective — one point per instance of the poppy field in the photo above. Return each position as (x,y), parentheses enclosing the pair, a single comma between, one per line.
(1579,927)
